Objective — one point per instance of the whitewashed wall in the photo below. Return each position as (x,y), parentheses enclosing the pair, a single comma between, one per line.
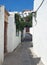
(40,31)
(24,32)
(31,30)
(13,40)
(1,34)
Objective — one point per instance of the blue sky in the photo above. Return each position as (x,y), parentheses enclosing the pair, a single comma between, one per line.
(17,5)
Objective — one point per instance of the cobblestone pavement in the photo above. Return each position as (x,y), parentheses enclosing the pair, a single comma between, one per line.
(22,56)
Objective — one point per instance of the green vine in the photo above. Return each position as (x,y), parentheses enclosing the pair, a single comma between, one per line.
(21,23)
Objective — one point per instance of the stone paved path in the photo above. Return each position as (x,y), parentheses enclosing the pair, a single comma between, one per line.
(22,56)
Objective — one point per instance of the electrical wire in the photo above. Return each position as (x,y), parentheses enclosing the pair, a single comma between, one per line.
(40,5)
(37,10)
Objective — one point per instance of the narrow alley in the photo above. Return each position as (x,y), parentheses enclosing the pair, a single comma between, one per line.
(23,55)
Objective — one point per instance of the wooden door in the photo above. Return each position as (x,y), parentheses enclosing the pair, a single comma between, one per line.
(5,37)
(27,29)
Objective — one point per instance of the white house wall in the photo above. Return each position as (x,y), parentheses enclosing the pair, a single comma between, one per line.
(24,32)
(1,34)
(13,40)
(40,31)
(17,40)
(31,30)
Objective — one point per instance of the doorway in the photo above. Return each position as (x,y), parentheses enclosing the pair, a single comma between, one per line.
(5,37)
(27,29)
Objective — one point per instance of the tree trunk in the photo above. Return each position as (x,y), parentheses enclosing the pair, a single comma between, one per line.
(21,36)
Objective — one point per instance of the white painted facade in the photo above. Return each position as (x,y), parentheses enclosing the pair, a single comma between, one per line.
(13,40)
(40,31)
(24,32)
(1,34)
(31,30)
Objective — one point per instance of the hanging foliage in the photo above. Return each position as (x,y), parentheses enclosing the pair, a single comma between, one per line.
(21,23)
(28,20)
(17,22)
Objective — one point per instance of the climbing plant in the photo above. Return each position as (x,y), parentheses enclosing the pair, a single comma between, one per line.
(21,23)
(28,20)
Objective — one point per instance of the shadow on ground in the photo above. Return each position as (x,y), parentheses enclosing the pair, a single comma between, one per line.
(31,59)
(22,56)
